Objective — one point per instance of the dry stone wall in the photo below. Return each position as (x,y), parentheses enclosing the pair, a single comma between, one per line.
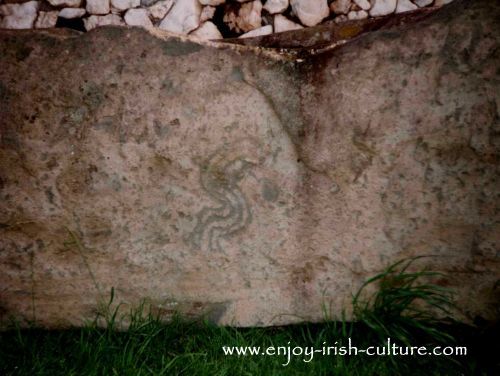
(205,19)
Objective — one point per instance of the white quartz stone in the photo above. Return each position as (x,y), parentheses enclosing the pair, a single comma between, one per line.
(160,9)
(382,7)
(138,17)
(405,6)
(207,31)
(423,3)
(18,16)
(357,15)
(340,6)
(363,4)
(281,23)
(207,13)
(183,17)
(66,3)
(72,13)
(125,4)
(98,6)
(276,6)
(264,30)
(310,12)
(109,19)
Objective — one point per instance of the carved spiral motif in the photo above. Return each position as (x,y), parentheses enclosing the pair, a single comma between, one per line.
(220,177)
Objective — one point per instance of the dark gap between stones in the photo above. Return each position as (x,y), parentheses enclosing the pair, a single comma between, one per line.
(74,23)
(224,29)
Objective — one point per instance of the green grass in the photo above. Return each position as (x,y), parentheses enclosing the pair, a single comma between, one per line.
(150,347)
(406,305)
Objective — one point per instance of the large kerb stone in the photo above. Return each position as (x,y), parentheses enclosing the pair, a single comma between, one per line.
(245,183)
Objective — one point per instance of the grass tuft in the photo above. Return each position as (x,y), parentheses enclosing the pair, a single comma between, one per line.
(407,306)
(149,346)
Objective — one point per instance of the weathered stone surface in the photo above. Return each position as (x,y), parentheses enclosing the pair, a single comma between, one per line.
(244,18)
(340,6)
(46,19)
(241,183)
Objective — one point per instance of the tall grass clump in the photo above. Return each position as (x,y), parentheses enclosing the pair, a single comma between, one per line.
(407,307)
